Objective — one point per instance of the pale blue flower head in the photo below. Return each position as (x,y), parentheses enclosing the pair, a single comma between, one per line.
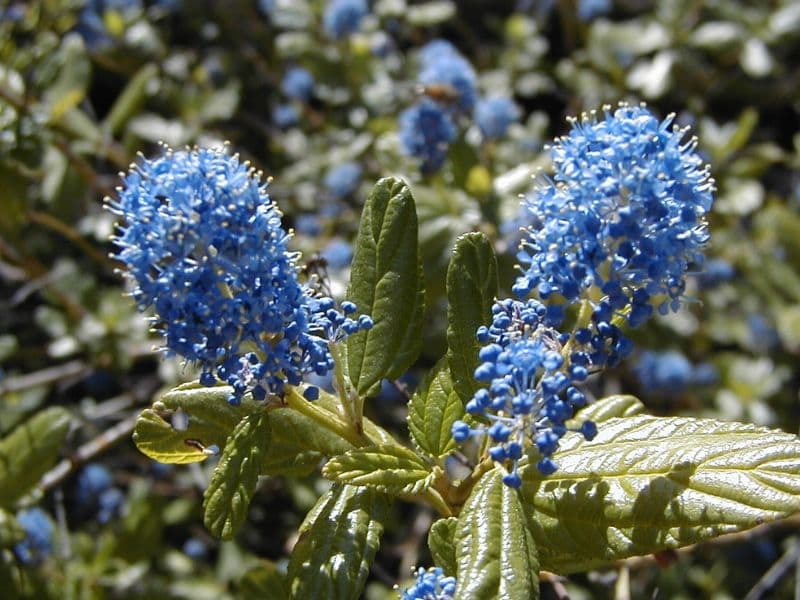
(204,245)
(625,215)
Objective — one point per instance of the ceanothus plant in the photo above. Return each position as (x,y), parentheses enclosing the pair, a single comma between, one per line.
(555,481)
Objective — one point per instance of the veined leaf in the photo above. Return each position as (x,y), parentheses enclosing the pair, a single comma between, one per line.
(495,552)
(471,290)
(29,451)
(609,408)
(646,484)
(433,410)
(386,283)
(11,531)
(388,467)
(441,542)
(186,421)
(337,544)
(234,481)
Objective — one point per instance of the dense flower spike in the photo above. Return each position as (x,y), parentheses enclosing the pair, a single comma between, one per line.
(626,217)
(431,584)
(426,130)
(204,245)
(531,389)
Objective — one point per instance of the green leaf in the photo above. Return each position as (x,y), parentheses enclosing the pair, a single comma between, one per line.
(441,542)
(471,290)
(234,481)
(432,411)
(386,282)
(646,484)
(609,408)
(264,582)
(130,101)
(74,71)
(337,544)
(11,531)
(495,552)
(181,426)
(29,451)
(387,467)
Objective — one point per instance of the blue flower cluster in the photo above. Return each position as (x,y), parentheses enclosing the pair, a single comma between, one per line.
(670,373)
(203,243)
(624,219)
(494,115)
(343,17)
(342,180)
(431,584)
(298,84)
(615,232)
(443,67)
(426,131)
(38,542)
(449,84)
(97,494)
(531,389)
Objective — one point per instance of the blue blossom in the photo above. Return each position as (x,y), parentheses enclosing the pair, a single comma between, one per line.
(338,253)
(436,49)
(195,548)
(716,271)
(204,245)
(670,373)
(426,132)
(308,224)
(590,9)
(443,66)
(343,17)
(285,116)
(342,180)
(298,84)
(494,116)
(38,542)
(93,480)
(531,385)
(109,504)
(625,216)
(431,584)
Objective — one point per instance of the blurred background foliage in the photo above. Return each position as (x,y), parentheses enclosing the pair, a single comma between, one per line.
(316,103)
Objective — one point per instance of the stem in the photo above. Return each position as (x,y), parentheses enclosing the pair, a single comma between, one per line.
(326,419)
(584,317)
(435,499)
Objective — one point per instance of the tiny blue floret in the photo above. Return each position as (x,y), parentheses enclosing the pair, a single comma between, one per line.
(431,584)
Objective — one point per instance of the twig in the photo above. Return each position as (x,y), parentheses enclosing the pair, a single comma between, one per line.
(52,223)
(557,583)
(46,376)
(774,573)
(88,451)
